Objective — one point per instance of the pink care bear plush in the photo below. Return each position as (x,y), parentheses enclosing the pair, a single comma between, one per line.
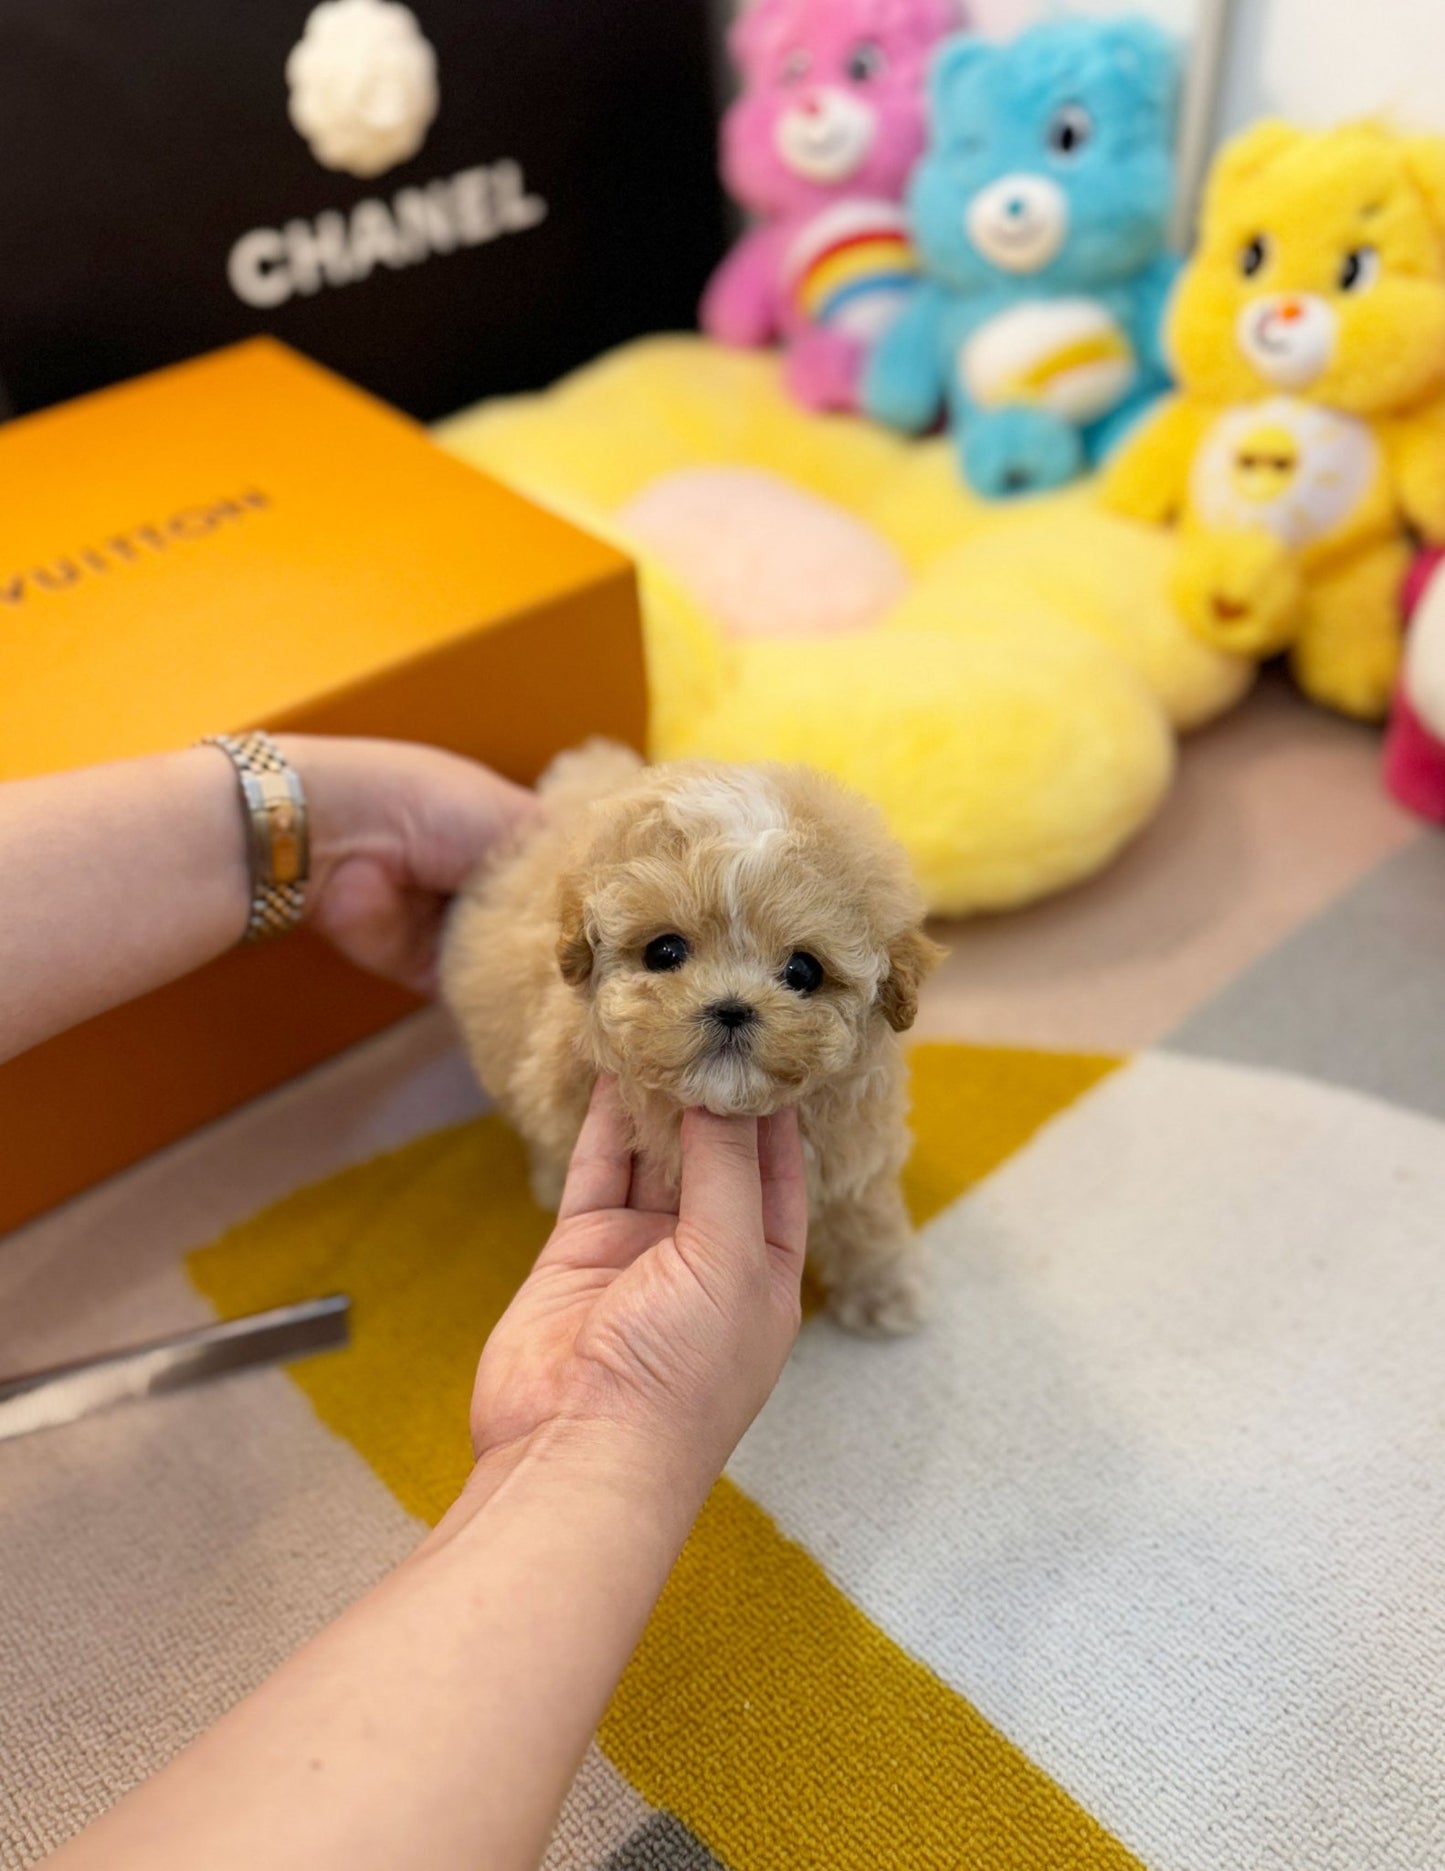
(819,147)
(1415,743)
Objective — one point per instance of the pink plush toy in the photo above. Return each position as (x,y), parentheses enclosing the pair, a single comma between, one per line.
(1415,744)
(819,146)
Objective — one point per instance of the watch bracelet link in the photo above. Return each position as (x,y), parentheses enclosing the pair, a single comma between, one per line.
(277,844)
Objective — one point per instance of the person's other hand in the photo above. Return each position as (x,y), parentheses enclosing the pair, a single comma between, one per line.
(396,829)
(666,1315)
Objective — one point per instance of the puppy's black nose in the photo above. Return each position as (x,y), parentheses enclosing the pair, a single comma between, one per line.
(732,1013)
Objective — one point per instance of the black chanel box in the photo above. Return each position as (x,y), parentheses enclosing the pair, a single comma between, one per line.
(483,193)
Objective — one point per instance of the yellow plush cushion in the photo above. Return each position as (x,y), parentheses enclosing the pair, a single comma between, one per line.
(601,435)
(1011,709)
(1104,575)
(1000,791)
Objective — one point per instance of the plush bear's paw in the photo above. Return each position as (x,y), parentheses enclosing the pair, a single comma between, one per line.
(882,1300)
(1020,451)
(823,370)
(1133,482)
(738,306)
(1352,678)
(897,388)
(1239,591)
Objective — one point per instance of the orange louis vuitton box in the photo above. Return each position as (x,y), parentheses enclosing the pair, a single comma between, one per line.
(246,541)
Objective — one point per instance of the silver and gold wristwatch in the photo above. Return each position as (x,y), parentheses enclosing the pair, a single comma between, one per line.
(277,845)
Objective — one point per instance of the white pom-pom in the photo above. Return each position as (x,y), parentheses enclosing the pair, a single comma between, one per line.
(363,85)
(1425,658)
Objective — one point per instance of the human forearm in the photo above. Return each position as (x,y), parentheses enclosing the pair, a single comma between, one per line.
(112,881)
(440,1721)
(117,879)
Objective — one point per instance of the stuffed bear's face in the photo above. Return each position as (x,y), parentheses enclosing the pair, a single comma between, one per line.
(832,99)
(1320,272)
(1049,159)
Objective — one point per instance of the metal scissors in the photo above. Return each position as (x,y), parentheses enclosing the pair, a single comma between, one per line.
(67,1392)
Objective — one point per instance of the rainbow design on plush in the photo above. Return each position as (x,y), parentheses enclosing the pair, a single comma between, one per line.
(1308,438)
(850,269)
(1068,357)
(1039,212)
(818,147)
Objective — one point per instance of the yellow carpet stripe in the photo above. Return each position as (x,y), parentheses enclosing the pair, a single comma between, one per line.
(789,1734)
(973,1106)
(763,1708)
(430,1241)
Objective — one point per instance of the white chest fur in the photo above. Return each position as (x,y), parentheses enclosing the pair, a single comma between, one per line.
(1295,469)
(1069,356)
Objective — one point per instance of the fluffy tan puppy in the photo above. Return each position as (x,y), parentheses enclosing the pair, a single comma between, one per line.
(737,937)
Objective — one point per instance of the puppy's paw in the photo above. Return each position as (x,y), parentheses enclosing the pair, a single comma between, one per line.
(884,1302)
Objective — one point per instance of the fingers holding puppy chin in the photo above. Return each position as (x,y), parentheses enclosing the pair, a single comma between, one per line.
(744,1196)
(654,1189)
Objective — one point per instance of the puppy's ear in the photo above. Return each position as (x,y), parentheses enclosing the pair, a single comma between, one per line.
(574,951)
(910,958)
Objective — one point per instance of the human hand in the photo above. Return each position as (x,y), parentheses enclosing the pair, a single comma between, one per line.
(396,829)
(665,1315)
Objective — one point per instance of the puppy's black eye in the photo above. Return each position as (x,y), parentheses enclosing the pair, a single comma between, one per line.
(1253,257)
(664,953)
(802,972)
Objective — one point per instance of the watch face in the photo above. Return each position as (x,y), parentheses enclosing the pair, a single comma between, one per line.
(439,200)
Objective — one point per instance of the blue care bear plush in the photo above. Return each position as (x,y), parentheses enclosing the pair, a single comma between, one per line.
(1040,213)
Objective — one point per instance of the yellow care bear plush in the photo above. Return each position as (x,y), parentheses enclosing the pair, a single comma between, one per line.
(1307,442)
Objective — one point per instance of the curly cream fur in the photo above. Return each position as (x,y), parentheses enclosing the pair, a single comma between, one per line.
(543,969)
